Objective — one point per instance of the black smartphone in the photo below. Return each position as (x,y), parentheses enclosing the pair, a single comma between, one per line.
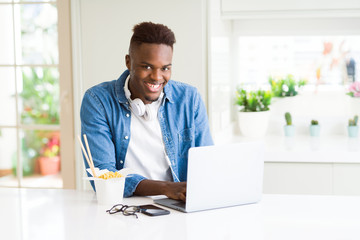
(152,210)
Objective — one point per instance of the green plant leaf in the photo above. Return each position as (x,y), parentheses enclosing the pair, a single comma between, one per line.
(253,101)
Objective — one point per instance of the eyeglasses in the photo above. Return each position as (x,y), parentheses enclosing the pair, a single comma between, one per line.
(125,209)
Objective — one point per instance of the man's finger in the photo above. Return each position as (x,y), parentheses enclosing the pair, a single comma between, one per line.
(182,197)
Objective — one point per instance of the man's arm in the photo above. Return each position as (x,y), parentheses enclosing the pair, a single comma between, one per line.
(174,190)
(94,123)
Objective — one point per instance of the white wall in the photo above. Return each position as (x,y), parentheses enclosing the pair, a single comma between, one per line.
(106,29)
(220,73)
(290,9)
(288,5)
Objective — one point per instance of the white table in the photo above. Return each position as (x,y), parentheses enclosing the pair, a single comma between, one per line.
(69,214)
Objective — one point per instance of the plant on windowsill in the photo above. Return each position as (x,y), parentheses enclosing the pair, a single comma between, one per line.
(254,112)
(353,128)
(49,160)
(289,128)
(314,128)
(354,89)
(40,105)
(4,170)
(286,87)
(354,93)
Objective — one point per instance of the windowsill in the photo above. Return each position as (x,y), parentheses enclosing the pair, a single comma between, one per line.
(307,149)
(33,181)
(332,108)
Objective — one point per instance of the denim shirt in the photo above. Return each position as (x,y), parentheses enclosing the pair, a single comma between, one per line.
(106,116)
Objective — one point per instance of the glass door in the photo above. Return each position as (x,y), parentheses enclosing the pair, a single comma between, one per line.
(29,95)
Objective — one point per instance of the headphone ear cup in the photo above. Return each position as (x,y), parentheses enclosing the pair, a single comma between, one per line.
(149,113)
(138,107)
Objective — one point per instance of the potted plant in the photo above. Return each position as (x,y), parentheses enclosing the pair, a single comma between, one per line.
(40,106)
(286,87)
(4,168)
(49,161)
(353,128)
(354,93)
(354,89)
(254,112)
(289,128)
(314,128)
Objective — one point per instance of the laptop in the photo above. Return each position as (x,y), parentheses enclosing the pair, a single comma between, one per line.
(221,176)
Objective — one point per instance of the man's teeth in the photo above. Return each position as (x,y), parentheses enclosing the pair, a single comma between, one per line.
(153,85)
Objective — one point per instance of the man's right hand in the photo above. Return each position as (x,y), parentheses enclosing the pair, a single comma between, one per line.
(176,190)
(173,190)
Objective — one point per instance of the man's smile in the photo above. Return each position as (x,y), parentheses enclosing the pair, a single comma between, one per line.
(153,87)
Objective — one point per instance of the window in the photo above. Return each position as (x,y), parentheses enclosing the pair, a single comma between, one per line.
(277,46)
(329,60)
(30,95)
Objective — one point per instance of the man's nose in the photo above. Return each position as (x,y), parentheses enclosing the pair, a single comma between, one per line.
(156,74)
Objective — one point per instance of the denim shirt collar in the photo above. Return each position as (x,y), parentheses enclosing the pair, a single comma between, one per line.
(120,94)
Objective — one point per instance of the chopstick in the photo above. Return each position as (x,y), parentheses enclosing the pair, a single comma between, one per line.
(89,153)
(89,160)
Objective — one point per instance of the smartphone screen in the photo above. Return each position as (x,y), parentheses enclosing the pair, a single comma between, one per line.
(152,210)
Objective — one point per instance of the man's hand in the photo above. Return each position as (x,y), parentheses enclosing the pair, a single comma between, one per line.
(174,190)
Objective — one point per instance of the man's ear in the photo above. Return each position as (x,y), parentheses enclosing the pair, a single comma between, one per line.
(127,61)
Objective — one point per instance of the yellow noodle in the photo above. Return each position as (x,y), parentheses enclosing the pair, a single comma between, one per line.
(110,174)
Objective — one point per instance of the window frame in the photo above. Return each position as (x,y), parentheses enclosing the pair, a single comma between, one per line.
(66,126)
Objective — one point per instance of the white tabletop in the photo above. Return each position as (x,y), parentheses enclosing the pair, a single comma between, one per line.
(70,214)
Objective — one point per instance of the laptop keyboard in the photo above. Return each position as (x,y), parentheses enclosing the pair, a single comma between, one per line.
(179,204)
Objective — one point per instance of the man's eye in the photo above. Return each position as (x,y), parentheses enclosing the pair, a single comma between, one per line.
(147,67)
(166,68)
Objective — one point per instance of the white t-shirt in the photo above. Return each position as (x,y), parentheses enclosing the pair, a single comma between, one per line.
(146,151)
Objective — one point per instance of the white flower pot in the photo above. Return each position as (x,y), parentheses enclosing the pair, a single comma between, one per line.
(289,130)
(253,124)
(314,130)
(353,131)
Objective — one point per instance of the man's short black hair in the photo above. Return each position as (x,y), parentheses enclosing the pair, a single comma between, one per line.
(148,32)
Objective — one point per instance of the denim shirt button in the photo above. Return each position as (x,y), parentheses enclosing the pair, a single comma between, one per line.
(127,115)
(126,137)
(121,161)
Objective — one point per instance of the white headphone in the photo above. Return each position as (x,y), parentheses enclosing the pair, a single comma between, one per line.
(137,106)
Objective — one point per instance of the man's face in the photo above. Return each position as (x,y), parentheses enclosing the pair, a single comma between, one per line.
(150,70)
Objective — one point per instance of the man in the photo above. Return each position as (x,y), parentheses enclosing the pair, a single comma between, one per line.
(144,120)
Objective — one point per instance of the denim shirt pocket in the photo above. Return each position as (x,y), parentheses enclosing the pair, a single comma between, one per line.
(185,137)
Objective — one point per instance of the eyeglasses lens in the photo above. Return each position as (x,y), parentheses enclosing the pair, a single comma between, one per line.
(131,210)
(126,210)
